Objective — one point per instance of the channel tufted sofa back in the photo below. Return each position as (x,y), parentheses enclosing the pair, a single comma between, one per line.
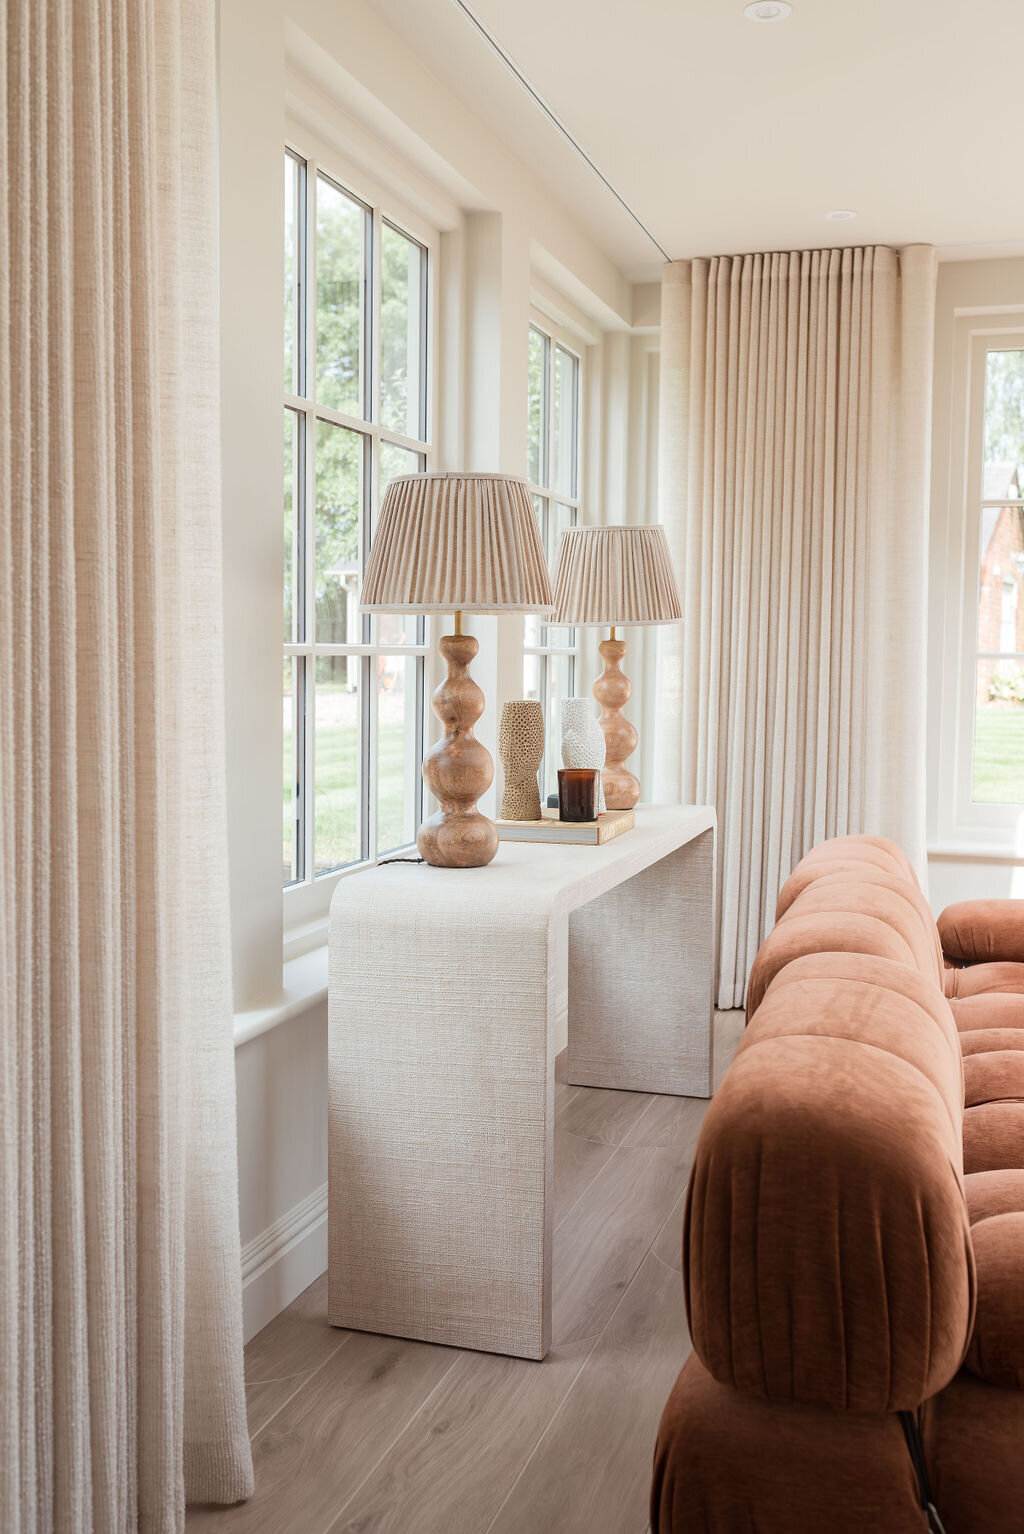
(858,1293)
(853,1247)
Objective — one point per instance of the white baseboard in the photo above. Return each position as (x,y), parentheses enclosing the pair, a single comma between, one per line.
(283,1260)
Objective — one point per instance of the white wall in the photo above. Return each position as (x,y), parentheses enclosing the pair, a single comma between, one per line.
(252,278)
(337,70)
(282,1143)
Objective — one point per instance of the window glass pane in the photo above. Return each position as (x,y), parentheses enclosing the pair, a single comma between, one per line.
(292,511)
(999,733)
(291,855)
(559,686)
(395,628)
(999,690)
(402,270)
(398,751)
(532,680)
(339,482)
(293,173)
(394,461)
(1004,425)
(537,409)
(561,517)
(340,284)
(336,761)
(532,626)
(566,374)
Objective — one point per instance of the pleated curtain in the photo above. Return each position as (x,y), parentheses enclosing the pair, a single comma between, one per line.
(120,1318)
(795,409)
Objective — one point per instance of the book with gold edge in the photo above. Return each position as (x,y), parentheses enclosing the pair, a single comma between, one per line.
(586,833)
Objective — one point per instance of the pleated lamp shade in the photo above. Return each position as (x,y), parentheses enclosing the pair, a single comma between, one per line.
(615,576)
(450,543)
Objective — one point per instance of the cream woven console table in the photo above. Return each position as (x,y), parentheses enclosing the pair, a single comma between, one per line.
(442,994)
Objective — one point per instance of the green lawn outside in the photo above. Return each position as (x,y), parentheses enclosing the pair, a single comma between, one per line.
(999,756)
(998,779)
(336,825)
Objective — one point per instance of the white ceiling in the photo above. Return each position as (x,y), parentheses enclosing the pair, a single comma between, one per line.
(726,136)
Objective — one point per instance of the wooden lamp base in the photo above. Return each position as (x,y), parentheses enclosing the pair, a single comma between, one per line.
(612,690)
(458,769)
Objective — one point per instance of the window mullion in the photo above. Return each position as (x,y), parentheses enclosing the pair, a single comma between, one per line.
(309,328)
(302,297)
(368,763)
(308,608)
(308,637)
(373,298)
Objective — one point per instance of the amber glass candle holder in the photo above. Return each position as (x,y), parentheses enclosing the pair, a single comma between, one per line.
(577,793)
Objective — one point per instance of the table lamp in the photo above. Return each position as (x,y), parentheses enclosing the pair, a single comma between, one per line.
(615,577)
(457,543)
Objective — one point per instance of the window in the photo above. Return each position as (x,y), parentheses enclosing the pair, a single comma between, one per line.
(552,468)
(355,415)
(998,760)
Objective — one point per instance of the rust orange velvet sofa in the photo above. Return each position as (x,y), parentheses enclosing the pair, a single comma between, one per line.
(853,1249)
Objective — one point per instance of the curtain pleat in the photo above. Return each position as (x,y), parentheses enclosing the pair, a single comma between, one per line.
(121,1386)
(795,408)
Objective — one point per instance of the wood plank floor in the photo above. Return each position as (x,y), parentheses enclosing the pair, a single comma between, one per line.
(359,1434)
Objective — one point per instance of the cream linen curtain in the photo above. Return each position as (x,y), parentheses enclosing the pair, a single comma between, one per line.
(120,1318)
(794,425)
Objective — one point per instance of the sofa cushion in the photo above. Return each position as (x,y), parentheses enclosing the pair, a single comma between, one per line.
(972,1444)
(878,850)
(885,896)
(996,1351)
(844,854)
(981,931)
(981,978)
(993,1136)
(826,1253)
(992,1009)
(980,1040)
(993,1074)
(886,1006)
(989,1193)
(727,1464)
(822,932)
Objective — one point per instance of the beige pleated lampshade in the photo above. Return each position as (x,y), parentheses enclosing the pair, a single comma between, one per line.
(457,543)
(615,575)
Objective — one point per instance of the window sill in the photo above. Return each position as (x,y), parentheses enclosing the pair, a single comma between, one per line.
(975,852)
(305,986)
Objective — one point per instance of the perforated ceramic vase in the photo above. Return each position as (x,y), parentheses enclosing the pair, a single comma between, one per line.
(583,743)
(521,748)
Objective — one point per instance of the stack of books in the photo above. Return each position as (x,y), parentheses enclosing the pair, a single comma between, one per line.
(587,833)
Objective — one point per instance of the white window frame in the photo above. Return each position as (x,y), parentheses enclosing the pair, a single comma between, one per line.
(962,820)
(307,899)
(553,641)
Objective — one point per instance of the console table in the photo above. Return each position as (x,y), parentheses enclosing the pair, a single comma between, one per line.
(442,992)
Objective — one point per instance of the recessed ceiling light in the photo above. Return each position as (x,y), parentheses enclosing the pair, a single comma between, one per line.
(840,215)
(767,10)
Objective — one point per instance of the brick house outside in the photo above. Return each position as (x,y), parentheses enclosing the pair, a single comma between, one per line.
(1001,594)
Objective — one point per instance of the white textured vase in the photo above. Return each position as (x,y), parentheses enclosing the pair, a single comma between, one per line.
(583,743)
